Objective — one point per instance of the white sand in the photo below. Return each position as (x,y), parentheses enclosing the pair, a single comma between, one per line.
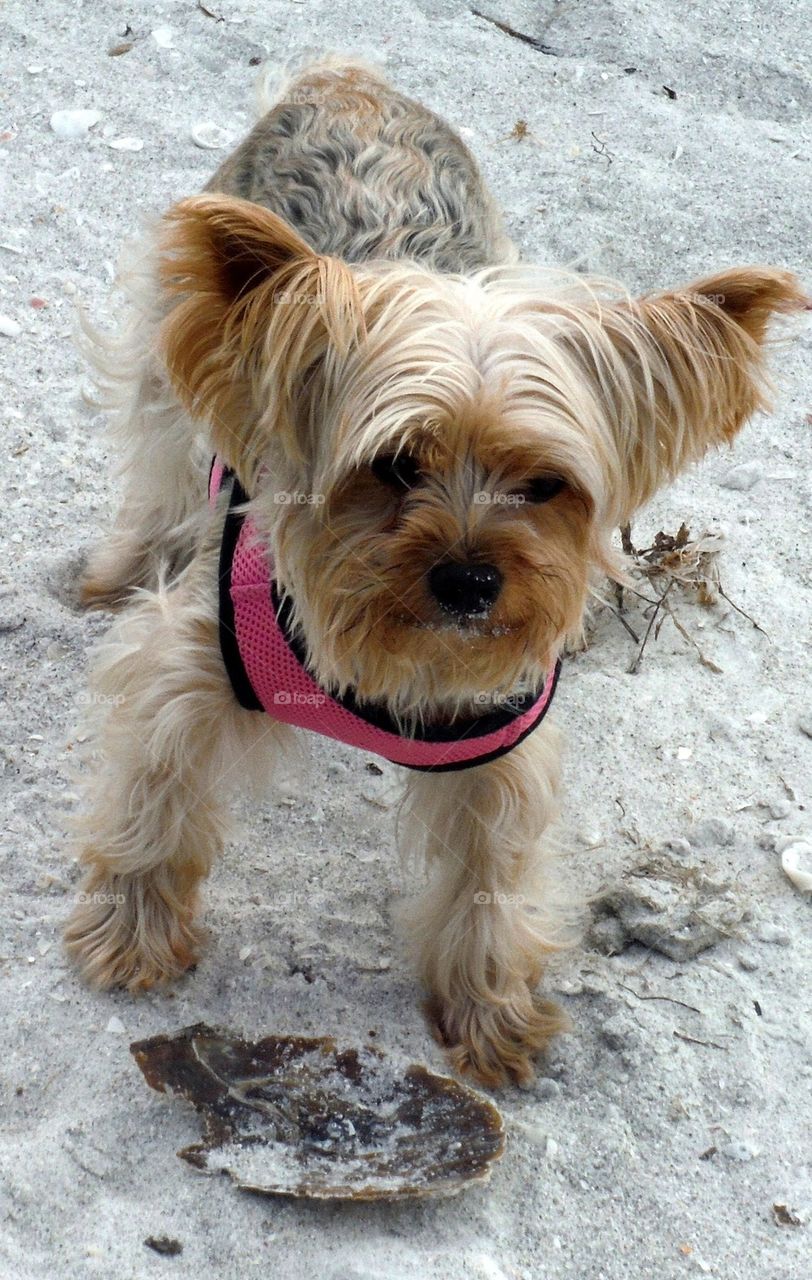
(604,1175)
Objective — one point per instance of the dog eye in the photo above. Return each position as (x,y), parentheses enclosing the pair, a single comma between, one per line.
(397,470)
(543,488)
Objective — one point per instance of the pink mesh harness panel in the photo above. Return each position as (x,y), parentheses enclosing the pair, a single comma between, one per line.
(267,664)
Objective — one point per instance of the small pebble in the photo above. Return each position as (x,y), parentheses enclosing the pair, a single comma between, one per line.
(747,961)
(713,831)
(594,985)
(608,936)
(569,986)
(483,1266)
(74,123)
(547,1088)
(535,1133)
(164,1245)
(619,1032)
(785,1216)
(679,846)
(591,839)
(743,477)
(796,861)
(116,1027)
(722,728)
(163,37)
(208,136)
(738,1149)
(773,934)
(805,724)
(126,144)
(9,328)
(779,809)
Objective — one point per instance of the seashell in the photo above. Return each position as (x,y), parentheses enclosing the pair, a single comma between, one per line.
(74,122)
(208,136)
(294,1116)
(796,861)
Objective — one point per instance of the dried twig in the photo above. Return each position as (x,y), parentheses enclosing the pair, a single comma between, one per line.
(635,637)
(667,999)
(519,35)
(706,662)
(709,1044)
(733,605)
(600,148)
(635,666)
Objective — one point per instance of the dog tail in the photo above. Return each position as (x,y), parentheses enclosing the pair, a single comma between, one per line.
(311,80)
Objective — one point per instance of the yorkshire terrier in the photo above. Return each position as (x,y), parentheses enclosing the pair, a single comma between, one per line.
(421,451)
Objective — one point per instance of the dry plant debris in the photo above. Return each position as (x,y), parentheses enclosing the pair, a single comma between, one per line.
(673,562)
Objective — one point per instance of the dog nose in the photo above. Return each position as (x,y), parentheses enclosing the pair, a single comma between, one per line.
(465,588)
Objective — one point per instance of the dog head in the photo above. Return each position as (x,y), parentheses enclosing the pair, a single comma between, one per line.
(439,461)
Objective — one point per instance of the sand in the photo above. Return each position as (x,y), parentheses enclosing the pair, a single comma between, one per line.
(658,1137)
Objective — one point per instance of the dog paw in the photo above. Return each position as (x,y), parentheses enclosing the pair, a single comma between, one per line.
(496,1043)
(63,580)
(122,933)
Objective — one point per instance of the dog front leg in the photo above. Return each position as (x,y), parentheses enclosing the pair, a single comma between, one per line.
(170,741)
(488,916)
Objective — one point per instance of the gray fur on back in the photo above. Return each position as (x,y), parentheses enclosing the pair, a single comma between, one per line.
(362,172)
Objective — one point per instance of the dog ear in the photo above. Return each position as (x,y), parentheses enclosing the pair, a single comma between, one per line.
(253,307)
(679,372)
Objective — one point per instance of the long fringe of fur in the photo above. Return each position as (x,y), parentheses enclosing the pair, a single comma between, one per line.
(170,745)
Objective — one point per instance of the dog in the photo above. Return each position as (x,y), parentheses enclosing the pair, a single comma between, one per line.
(421,450)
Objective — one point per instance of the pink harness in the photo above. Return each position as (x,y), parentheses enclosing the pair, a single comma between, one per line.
(266,663)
